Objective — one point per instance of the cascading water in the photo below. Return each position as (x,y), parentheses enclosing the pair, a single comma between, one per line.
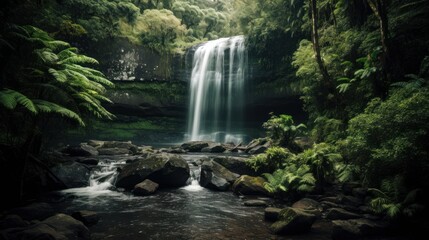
(217,91)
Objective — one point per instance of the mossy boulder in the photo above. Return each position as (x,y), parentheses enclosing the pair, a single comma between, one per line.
(293,221)
(248,185)
(215,176)
(168,170)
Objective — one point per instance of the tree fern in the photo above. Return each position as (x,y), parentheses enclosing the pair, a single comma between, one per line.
(11,98)
(49,107)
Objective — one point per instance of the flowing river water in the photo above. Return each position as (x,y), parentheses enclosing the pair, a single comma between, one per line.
(190,212)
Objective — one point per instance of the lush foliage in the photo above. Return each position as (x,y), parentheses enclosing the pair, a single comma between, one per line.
(282,131)
(292,181)
(322,159)
(44,76)
(274,158)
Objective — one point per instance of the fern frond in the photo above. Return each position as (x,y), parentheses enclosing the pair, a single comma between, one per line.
(50,107)
(79,59)
(11,98)
(58,75)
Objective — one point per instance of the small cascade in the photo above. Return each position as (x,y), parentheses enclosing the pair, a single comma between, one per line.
(101,181)
(217,88)
(194,186)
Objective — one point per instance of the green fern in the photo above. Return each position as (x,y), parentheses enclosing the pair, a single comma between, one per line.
(49,107)
(11,98)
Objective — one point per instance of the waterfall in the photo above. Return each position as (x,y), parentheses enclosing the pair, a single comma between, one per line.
(217,91)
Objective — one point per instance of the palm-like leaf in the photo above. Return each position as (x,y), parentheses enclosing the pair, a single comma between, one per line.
(11,98)
(49,107)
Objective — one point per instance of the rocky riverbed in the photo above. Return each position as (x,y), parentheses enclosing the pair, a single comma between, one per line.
(198,190)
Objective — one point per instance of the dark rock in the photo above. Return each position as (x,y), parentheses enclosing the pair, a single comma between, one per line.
(82,150)
(236,164)
(72,174)
(68,227)
(360,192)
(351,201)
(214,148)
(247,185)
(88,218)
(12,221)
(255,203)
(326,204)
(293,221)
(347,187)
(195,146)
(309,205)
(215,176)
(88,161)
(257,150)
(257,142)
(113,151)
(34,211)
(167,170)
(37,231)
(272,214)
(356,229)
(145,188)
(96,143)
(365,209)
(330,199)
(340,214)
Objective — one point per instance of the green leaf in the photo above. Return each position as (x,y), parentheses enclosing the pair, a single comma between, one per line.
(11,98)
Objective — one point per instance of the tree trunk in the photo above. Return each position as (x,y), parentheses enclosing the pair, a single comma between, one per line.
(316,46)
(379,7)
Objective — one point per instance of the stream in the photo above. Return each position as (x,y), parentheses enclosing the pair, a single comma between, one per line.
(190,212)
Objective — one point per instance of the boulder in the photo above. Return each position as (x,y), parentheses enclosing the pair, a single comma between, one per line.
(356,229)
(360,192)
(34,211)
(272,214)
(13,221)
(68,227)
(121,145)
(347,187)
(248,185)
(167,170)
(255,203)
(293,221)
(340,214)
(113,151)
(195,146)
(88,161)
(214,148)
(95,143)
(72,174)
(145,188)
(257,150)
(88,218)
(82,150)
(309,205)
(215,176)
(236,164)
(258,146)
(351,201)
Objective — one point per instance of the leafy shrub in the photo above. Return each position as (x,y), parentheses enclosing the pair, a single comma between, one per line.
(321,159)
(391,138)
(292,181)
(274,158)
(282,131)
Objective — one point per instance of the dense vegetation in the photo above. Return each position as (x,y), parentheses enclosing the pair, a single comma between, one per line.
(360,67)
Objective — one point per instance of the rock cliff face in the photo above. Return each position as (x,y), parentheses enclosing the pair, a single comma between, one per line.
(153,84)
